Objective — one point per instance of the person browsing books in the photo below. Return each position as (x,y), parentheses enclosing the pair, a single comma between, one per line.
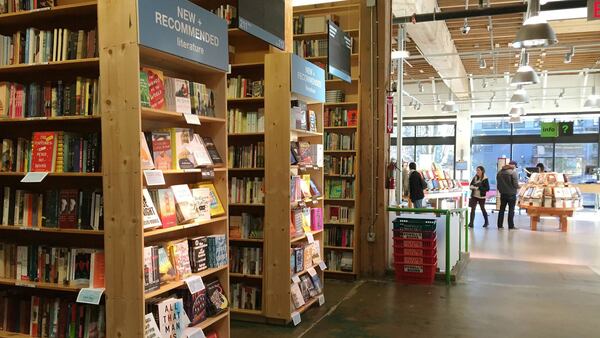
(416,185)
(479,186)
(508,184)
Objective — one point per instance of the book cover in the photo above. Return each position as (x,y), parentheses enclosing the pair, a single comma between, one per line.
(297,297)
(151,219)
(144,89)
(161,149)
(352,117)
(170,317)
(177,95)
(166,208)
(43,153)
(81,262)
(166,270)
(212,150)
(198,247)
(185,204)
(216,207)
(67,214)
(97,270)
(179,253)
(181,139)
(156,88)
(202,197)
(195,306)
(145,154)
(149,277)
(216,297)
(199,154)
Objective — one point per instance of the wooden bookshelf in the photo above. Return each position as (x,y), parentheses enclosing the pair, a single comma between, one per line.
(279,134)
(348,15)
(48,14)
(177,284)
(52,230)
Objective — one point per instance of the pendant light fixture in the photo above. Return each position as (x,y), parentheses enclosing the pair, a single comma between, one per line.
(535,32)
(517,111)
(515,119)
(592,101)
(450,106)
(525,75)
(520,96)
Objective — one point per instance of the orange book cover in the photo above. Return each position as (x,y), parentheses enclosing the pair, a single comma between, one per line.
(97,278)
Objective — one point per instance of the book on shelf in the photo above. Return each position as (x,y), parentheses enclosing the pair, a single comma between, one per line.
(312,23)
(177,95)
(339,141)
(166,270)
(202,197)
(216,253)
(246,156)
(12,6)
(298,115)
(304,256)
(169,315)
(297,297)
(245,297)
(246,260)
(164,201)
(307,153)
(339,165)
(246,190)
(217,301)
(185,204)
(151,269)
(339,214)
(34,46)
(198,247)
(335,96)
(180,258)
(47,316)
(57,265)
(155,88)
(195,305)
(212,150)
(339,261)
(246,226)
(340,117)
(181,142)
(202,99)
(310,48)
(227,13)
(145,154)
(151,218)
(339,236)
(216,207)
(239,121)
(339,188)
(161,149)
(239,87)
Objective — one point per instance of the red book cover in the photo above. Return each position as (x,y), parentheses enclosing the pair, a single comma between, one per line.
(97,277)
(48,99)
(352,117)
(34,330)
(19,98)
(67,215)
(43,148)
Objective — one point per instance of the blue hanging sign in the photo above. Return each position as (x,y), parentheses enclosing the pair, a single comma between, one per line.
(184,29)
(308,79)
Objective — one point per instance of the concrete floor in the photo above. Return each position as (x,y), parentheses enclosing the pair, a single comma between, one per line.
(517,284)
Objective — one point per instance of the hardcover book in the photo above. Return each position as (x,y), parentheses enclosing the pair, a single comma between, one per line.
(145,154)
(212,150)
(67,215)
(203,199)
(181,139)
(144,90)
(156,88)
(297,297)
(161,148)
(185,205)
(166,270)
(170,317)
(166,208)
(151,219)
(216,208)
(177,95)
(43,154)
(217,302)
(179,253)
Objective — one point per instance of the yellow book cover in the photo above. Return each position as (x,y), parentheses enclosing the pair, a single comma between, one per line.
(216,207)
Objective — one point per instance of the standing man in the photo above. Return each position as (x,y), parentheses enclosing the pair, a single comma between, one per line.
(507,184)
(416,185)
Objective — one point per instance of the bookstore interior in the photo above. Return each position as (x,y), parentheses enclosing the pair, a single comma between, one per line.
(213,168)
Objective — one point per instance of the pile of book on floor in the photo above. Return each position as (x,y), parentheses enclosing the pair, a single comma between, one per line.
(415,250)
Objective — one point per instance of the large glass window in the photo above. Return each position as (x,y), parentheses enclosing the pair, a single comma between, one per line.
(585,126)
(529,155)
(487,156)
(529,126)
(408,131)
(442,154)
(435,130)
(491,127)
(576,159)
(408,153)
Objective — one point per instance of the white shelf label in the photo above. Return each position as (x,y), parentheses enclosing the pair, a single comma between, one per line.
(150,327)
(90,296)
(191,119)
(310,238)
(296,318)
(24,284)
(295,279)
(34,177)
(312,271)
(154,177)
(321,300)
(195,284)
(322,265)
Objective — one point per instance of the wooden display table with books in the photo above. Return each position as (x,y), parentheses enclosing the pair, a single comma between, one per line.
(536,212)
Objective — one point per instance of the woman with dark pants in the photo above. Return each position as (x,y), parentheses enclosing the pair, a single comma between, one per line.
(479,187)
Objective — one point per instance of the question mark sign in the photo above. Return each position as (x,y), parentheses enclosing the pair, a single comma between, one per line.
(565,128)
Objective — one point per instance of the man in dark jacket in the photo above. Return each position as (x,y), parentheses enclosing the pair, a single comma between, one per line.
(416,185)
(507,185)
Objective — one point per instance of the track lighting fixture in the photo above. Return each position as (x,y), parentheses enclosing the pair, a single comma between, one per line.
(421,87)
(483,83)
(465,29)
(450,106)
(482,64)
(569,55)
(592,101)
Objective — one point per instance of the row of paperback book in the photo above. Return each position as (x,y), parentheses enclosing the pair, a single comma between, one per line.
(227,13)
(312,23)
(310,48)
(245,297)
(246,260)
(304,256)
(247,190)
(52,317)
(52,151)
(64,209)
(302,187)
(239,122)
(173,94)
(340,117)
(339,165)
(307,289)
(177,313)
(305,220)
(247,156)
(41,46)
(178,204)
(62,266)
(12,6)
(239,87)
(339,236)
(339,141)
(305,153)
(301,117)
(246,226)
(335,96)
(176,260)
(336,188)
(338,214)
(339,260)
(177,149)
(49,98)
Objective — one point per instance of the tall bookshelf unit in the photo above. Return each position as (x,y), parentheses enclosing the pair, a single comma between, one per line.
(347,14)
(278,135)
(74,15)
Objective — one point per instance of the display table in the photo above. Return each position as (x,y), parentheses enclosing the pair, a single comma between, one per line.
(535,213)
(440,195)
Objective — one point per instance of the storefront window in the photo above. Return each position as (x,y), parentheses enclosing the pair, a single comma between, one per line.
(408,131)
(529,126)
(529,155)
(435,130)
(585,126)
(576,160)
(408,153)
(442,154)
(487,156)
(491,127)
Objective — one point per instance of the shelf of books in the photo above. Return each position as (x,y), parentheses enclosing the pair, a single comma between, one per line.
(342,130)
(294,173)
(165,125)
(51,169)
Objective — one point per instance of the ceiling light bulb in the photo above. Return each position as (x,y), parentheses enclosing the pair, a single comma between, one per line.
(520,96)
(525,75)
(592,101)
(535,32)
(450,106)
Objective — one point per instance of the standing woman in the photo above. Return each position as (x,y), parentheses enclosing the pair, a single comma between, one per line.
(479,187)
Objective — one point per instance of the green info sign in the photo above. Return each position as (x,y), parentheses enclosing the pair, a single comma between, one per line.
(556,129)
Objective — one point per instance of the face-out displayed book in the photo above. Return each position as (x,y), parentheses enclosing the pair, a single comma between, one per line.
(179,149)
(245,297)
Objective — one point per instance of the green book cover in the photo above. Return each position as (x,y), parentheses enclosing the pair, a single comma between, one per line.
(144,89)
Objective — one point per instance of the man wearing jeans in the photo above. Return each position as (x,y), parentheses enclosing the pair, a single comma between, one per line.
(507,185)
(416,186)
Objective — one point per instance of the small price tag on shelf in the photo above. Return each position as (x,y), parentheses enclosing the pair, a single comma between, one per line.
(34,177)
(195,284)
(193,332)
(315,200)
(312,271)
(296,318)
(24,284)
(154,177)
(310,238)
(150,328)
(90,296)
(321,300)
(191,119)
(30,229)
(295,279)
(322,265)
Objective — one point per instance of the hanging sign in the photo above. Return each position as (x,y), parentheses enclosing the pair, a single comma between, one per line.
(308,79)
(565,128)
(549,129)
(184,29)
(593,7)
(389,114)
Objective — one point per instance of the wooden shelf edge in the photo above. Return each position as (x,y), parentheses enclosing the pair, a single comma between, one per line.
(176,284)
(157,232)
(247,240)
(339,127)
(338,223)
(53,174)
(245,99)
(39,285)
(299,238)
(241,275)
(246,169)
(348,103)
(259,133)
(246,205)
(50,118)
(342,248)
(325,9)
(307,305)
(50,11)
(6,334)
(160,114)
(52,230)
(51,64)
(246,312)
(211,320)
(303,36)
(339,272)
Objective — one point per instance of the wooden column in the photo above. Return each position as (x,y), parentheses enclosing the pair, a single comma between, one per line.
(119,71)
(375,35)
